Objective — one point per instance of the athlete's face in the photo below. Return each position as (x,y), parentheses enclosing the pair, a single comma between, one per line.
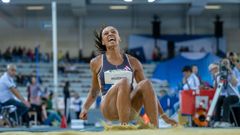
(110,37)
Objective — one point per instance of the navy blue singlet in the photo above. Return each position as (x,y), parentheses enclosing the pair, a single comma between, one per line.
(110,74)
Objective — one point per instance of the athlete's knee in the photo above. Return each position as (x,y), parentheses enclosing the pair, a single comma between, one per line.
(146,86)
(146,83)
(124,85)
(123,82)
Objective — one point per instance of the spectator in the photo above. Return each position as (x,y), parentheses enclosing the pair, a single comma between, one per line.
(34,95)
(235,66)
(7,54)
(232,58)
(156,56)
(9,92)
(20,79)
(77,102)
(45,93)
(14,52)
(20,52)
(67,57)
(203,85)
(190,80)
(80,55)
(236,72)
(30,55)
(60,56)
(49,115)
(195,71)
(34,92)
(66,94)
(164,100)
(47,57)
(227,96)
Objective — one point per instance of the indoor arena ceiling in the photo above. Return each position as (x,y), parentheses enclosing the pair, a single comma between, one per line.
(82,7)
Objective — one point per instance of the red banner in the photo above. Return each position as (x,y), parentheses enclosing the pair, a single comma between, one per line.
(190,100)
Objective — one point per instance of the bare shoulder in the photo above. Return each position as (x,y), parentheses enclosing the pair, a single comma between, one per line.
(136,64)
(96,63)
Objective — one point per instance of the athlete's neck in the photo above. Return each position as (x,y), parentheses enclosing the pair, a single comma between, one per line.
(114,55)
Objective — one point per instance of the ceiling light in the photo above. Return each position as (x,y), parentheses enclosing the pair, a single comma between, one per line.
(128,0)
(35,7)
(212,7)
(151,1)
(5,1)
(118,7)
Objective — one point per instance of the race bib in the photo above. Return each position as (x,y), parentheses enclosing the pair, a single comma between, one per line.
(113,76)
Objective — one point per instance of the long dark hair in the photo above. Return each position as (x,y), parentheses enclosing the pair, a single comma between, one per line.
(98,40)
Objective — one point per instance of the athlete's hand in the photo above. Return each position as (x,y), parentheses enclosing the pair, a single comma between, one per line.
(170,121)
(83,114)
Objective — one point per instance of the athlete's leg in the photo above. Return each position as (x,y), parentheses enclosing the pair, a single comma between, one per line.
(144,95)
(116,104)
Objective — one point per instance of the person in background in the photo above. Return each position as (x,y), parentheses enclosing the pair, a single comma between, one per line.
(20,79)
(236,72)
(203,84)
(236,68)
(34,92)
(49,115)
(227,96)
(7,55)
(30,55)
(195,71)
(80,55)
(66,93)
(60,56)
(156,54)
(67,57)
(77,102)
(232,57)
(164,100)
(9,92)
(190,80)
(34,95)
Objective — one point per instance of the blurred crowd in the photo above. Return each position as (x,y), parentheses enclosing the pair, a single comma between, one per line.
(23,54)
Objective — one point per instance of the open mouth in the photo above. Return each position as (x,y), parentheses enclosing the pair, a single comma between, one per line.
(111,39)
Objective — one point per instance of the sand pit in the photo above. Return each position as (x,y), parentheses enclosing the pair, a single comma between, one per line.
(173,131)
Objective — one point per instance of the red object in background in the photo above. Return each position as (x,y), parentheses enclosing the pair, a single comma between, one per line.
(188,100)
(63,122)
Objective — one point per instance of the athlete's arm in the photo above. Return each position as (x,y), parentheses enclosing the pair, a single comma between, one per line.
(94,90)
